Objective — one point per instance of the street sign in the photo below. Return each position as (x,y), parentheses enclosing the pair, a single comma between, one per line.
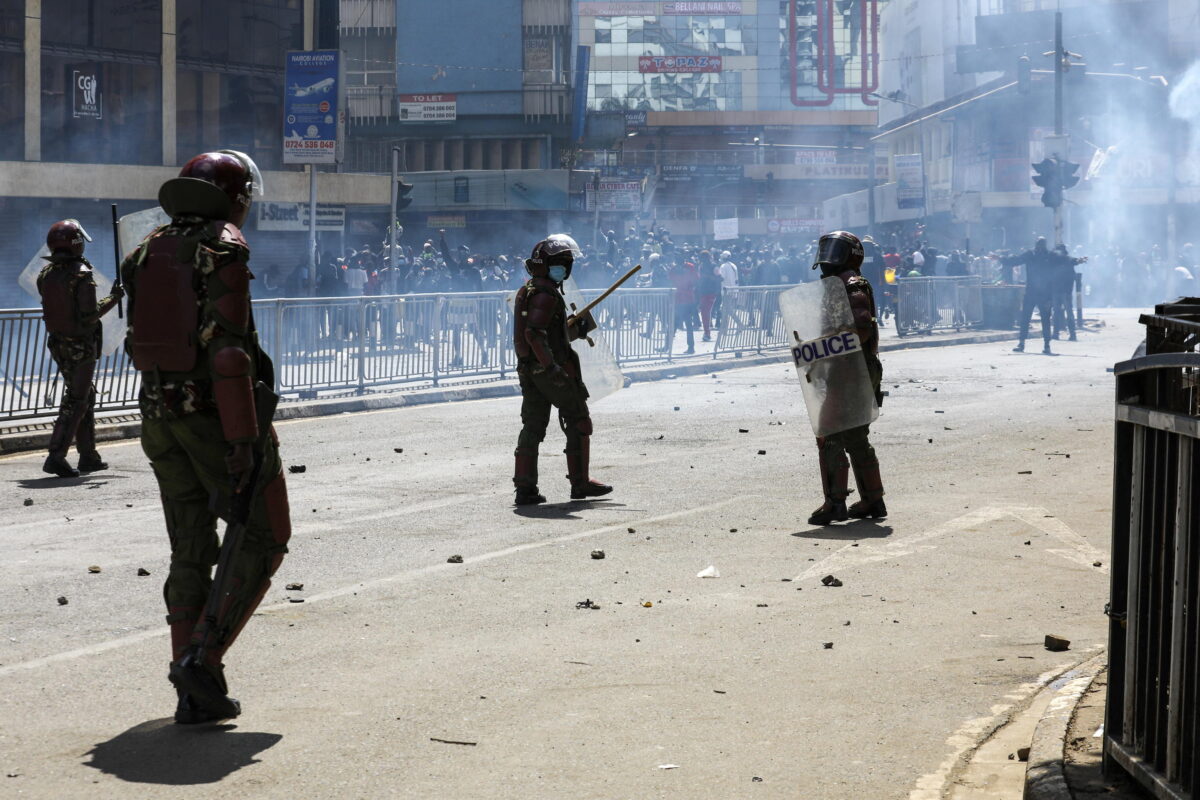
(274,216)
(910,181)
(314,117)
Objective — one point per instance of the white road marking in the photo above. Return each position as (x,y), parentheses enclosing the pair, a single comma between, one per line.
(1077,549)
(401,577)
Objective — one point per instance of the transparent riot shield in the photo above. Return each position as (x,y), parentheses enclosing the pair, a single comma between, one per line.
(597,362)
(135,227)
(112,326)
(828,356)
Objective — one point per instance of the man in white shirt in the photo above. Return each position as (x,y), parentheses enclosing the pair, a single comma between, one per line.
(918,260)
(728,270)
(355,278)
(727,306)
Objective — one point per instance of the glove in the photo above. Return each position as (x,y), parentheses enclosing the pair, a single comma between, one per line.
(240,463)
(558,376)
(116,293)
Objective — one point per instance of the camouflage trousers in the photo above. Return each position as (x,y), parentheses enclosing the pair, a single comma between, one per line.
(852,448)
(187,454)
(76,360)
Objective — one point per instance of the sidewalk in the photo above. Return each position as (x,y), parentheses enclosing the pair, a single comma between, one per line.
(34,434)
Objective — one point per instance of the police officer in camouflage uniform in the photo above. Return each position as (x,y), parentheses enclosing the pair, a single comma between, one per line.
(72,316)
(549,373)
(192,336)
(839,254)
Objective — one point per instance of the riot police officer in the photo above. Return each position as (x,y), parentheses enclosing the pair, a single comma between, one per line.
(839,254)
(206,408)
(72,316)
(549,373)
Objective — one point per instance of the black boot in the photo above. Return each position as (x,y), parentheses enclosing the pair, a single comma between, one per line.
(56,464)
(91,462)
(578,461)
(868,509)
(830,511)
(205,687)
(1020,348)
(870,488)
(525,477)
(187,712)
(529,496)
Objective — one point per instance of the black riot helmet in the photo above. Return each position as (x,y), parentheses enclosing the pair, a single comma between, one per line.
(557,249)
(837,252)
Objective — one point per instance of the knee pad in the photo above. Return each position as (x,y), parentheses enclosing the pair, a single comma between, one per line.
(584,426)
(530,438)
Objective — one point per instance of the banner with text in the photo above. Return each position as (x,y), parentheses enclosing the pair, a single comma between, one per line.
(314,113)
(294,216)
(615,196)
(910,181)
(428,107)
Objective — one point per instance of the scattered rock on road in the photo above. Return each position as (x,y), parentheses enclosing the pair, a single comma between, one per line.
(587,604)
(142,572)
(297,468)
(295,587)
(93,570)
(762,452)
(454,559)
(597,554)
(28,501)
(62,601)
(1057,644)
(709,572)
(829,580)
(397,449)
(827,645)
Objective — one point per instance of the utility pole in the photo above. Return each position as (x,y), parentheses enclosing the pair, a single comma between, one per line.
(1059,65)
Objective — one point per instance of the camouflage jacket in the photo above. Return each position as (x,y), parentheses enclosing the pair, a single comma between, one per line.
(174,394)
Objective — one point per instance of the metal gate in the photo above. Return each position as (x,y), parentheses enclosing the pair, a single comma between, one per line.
(1152,719)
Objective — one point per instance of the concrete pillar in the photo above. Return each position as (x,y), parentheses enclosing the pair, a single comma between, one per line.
(455,148)
(169,85)
(33,80)
(512,153)
(495,156)
(416,155)
(475,156)
(310,24)
(211,88)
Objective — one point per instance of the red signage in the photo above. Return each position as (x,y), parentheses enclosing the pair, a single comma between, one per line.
(679,64)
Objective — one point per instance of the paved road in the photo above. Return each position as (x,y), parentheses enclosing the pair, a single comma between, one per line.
(936,630)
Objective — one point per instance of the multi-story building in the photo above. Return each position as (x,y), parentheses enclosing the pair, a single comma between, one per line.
(751,109)
(971,105)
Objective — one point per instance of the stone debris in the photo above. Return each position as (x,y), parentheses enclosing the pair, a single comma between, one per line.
(827,645)
(397,449)
(1097,563)
(1025,472)
(1023,754)
(587,604)
(295,599)
(829,580)
(709,572)
(142,572)
(297,468)
(762,452)
(647,604)
(743,430)
(62,601)
(631,530)
(295,587)
(668,766)
(756,779)
(93,570)
(597,554)
(454,559)
(28,501)
(1057,644)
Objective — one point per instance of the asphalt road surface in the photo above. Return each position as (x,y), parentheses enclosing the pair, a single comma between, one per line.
(998,472)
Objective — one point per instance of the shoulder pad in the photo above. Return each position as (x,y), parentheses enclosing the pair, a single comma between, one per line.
(231,234)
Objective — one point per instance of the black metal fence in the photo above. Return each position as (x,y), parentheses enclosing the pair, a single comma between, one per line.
(1152,720)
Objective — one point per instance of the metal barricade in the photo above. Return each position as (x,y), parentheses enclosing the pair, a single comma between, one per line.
(1152,719)
(637,323)
(937,303)
(750,320)
(29,380)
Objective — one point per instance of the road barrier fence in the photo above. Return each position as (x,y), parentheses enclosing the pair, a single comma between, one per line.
(1152,718)
(943,303)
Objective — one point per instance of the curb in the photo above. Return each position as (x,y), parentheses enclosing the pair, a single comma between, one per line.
(39,439)
(1045,778)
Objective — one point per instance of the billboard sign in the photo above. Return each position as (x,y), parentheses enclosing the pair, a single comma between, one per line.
(615,196)
(428,107)
(725,229)
(679,64)
(795,226)
(684,8)
(85,91)
(274,216)
(314,116)
(910,181)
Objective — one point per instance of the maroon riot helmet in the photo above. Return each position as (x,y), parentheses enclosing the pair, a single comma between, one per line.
(558,249)
(218,185)
(67,236)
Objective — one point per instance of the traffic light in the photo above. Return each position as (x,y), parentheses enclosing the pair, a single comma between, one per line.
(1047,177)
(1066,174)
(403,201)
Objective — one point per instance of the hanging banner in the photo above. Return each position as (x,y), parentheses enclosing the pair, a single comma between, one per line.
(85,93)
(910,181)
(725,229)
(314,117)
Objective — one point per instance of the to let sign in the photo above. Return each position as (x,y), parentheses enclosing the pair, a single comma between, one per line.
(428,107)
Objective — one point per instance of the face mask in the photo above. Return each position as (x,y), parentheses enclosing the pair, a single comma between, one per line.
(558,273)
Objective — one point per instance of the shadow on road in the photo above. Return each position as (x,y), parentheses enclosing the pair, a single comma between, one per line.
(160,751)
(90,480)
(850,531)
(549,511)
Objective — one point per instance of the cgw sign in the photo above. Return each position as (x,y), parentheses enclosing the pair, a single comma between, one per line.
(85,92)
(835,344)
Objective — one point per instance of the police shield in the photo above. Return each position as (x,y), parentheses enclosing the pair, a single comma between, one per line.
(828,356)
(137,226)
(112,326)
(597,364)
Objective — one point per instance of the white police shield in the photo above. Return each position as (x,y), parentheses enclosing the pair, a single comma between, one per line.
(601,374)
(112,327)
(137,226)
(828,356)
